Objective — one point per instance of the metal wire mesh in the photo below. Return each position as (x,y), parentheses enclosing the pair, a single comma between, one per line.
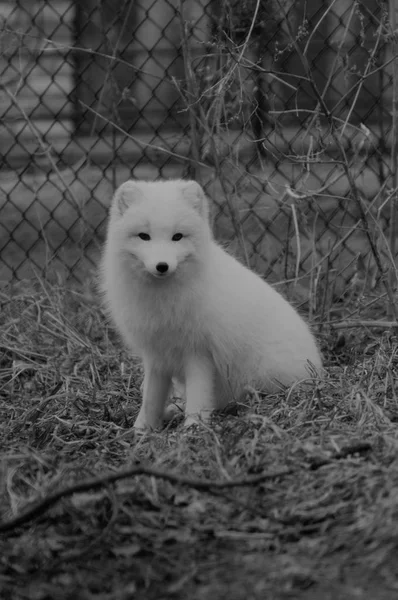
(283,111)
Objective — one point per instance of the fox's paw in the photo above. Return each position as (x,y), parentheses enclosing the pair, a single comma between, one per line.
(201,418)
(173,411)
(142,426)
(141,429)
(192,421)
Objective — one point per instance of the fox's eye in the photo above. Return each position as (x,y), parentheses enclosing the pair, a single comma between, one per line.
(144,236)
(177,237)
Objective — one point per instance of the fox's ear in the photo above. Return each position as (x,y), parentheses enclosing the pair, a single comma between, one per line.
(193,192)
(125,195)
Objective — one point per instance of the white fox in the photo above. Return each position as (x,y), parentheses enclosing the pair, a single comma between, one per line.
(190,310)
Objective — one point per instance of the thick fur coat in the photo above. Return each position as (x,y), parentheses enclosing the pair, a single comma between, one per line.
(189,309)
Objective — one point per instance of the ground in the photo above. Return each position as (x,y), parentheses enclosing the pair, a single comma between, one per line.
(316,515)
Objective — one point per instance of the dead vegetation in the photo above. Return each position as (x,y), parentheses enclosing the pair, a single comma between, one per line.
(316,515)
(286,496)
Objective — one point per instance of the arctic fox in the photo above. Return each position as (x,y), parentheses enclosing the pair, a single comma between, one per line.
(190,310)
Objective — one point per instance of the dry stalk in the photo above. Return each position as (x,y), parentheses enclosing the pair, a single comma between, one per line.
(351,324)
(320,97)
(108,73)
(200,120)
(50,45)
(191,90)
(140,142)
(46,150)
(394,150)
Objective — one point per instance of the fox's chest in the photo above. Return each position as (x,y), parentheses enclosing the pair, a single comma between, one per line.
(169,322)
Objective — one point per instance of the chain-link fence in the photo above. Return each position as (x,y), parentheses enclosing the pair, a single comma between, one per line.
(283,110)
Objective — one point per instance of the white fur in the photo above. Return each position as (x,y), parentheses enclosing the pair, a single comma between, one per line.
(208,321)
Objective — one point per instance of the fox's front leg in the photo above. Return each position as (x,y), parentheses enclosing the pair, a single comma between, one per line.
(157,384)
(199,387)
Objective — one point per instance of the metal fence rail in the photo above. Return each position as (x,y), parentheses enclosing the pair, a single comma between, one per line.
(282,110)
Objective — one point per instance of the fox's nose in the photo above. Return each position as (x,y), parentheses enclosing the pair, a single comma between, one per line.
(162,267)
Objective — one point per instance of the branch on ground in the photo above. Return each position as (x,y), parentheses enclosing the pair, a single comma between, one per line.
(99,482)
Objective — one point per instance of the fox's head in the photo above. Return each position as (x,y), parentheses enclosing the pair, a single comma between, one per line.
(160,229)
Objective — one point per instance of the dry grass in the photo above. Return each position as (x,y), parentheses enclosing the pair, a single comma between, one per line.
(69,392)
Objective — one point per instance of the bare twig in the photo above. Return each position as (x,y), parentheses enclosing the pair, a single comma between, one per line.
(191,90)
(394,151)
(363,78)
(138,141)
(298,245)
(351,181)
(99,482)
(50,46)
(111,64)
(364,324)
(46,150)
(356,448)
(317,26)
